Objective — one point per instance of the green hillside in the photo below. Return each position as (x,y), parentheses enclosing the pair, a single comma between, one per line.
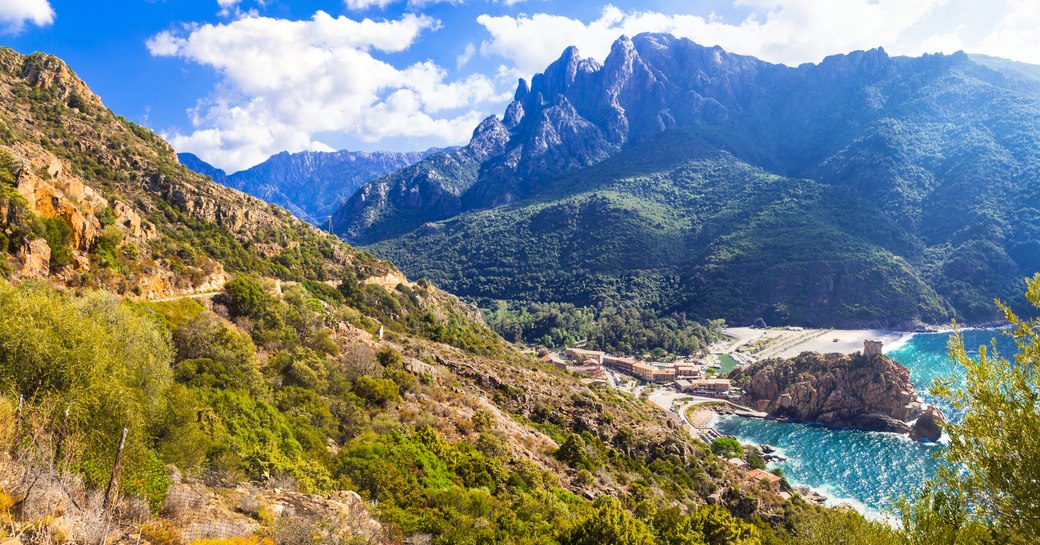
(672,226)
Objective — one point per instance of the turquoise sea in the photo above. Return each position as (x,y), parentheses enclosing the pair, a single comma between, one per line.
(866,469)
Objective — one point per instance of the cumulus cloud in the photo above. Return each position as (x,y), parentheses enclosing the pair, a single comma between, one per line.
(14,14)
(283,82)
(786,31)
(1017,34)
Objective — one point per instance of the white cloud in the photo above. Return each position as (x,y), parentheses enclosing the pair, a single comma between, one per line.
(359,5)
(14,14)
(365,4)
(229,8)
(233,9)
(466,56)
(285,81)
(784,31)
(787,31)
(1017,35)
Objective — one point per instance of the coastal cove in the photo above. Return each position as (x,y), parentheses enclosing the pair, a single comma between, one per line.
(867,470)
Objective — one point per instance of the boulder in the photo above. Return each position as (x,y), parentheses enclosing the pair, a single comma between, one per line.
(35,259)
(928,426)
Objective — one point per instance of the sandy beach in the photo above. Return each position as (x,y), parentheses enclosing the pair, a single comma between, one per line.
(790,342)
(701,417)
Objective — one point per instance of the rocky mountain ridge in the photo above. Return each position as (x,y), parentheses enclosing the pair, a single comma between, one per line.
(310,184)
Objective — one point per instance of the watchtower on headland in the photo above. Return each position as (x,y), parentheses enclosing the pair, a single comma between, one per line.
(872,347)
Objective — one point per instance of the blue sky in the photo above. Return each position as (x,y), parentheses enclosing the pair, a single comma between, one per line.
(236,81)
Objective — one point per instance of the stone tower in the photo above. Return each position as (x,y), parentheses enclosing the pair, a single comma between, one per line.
(872,347)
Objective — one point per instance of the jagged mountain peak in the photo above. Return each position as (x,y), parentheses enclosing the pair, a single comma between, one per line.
(560,76)
(490,137)
(522,88)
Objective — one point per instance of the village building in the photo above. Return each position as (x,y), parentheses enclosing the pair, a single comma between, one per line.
(581,354)
(683,370)
(644,371)
(706,386)
(659,373)
(618,363)
(772,480)
(664,375)
(557,361)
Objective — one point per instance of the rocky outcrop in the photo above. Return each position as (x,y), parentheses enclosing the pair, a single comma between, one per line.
(122,194)
(49,72)
(53,192)
(34,259)
(201,512)
(864,392)
(928,426)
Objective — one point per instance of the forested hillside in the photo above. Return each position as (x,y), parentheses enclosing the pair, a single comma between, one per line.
(865,190)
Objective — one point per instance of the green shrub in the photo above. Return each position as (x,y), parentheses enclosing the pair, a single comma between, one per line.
(377,391)
(110,239)
(58,235)
(150,483)
(609,523)
(575,453)
(106,216)
(727,447)
(388,357)
(10,166)
(323,291)
(94,354)
(247,297)
(214,355)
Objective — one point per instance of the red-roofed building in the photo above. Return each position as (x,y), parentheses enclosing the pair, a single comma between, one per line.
(765,476)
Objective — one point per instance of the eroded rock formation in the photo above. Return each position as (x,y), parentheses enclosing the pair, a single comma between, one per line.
(864,392)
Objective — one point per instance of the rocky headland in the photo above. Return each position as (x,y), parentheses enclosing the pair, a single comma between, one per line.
(871,393)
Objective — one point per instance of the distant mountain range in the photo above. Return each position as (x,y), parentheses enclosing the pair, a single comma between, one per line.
(311,184)
(865,190)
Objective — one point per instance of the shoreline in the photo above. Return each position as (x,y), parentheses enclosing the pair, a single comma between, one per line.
(708,416)
(790,341)
(760,344)
(901,341)
(822,495)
